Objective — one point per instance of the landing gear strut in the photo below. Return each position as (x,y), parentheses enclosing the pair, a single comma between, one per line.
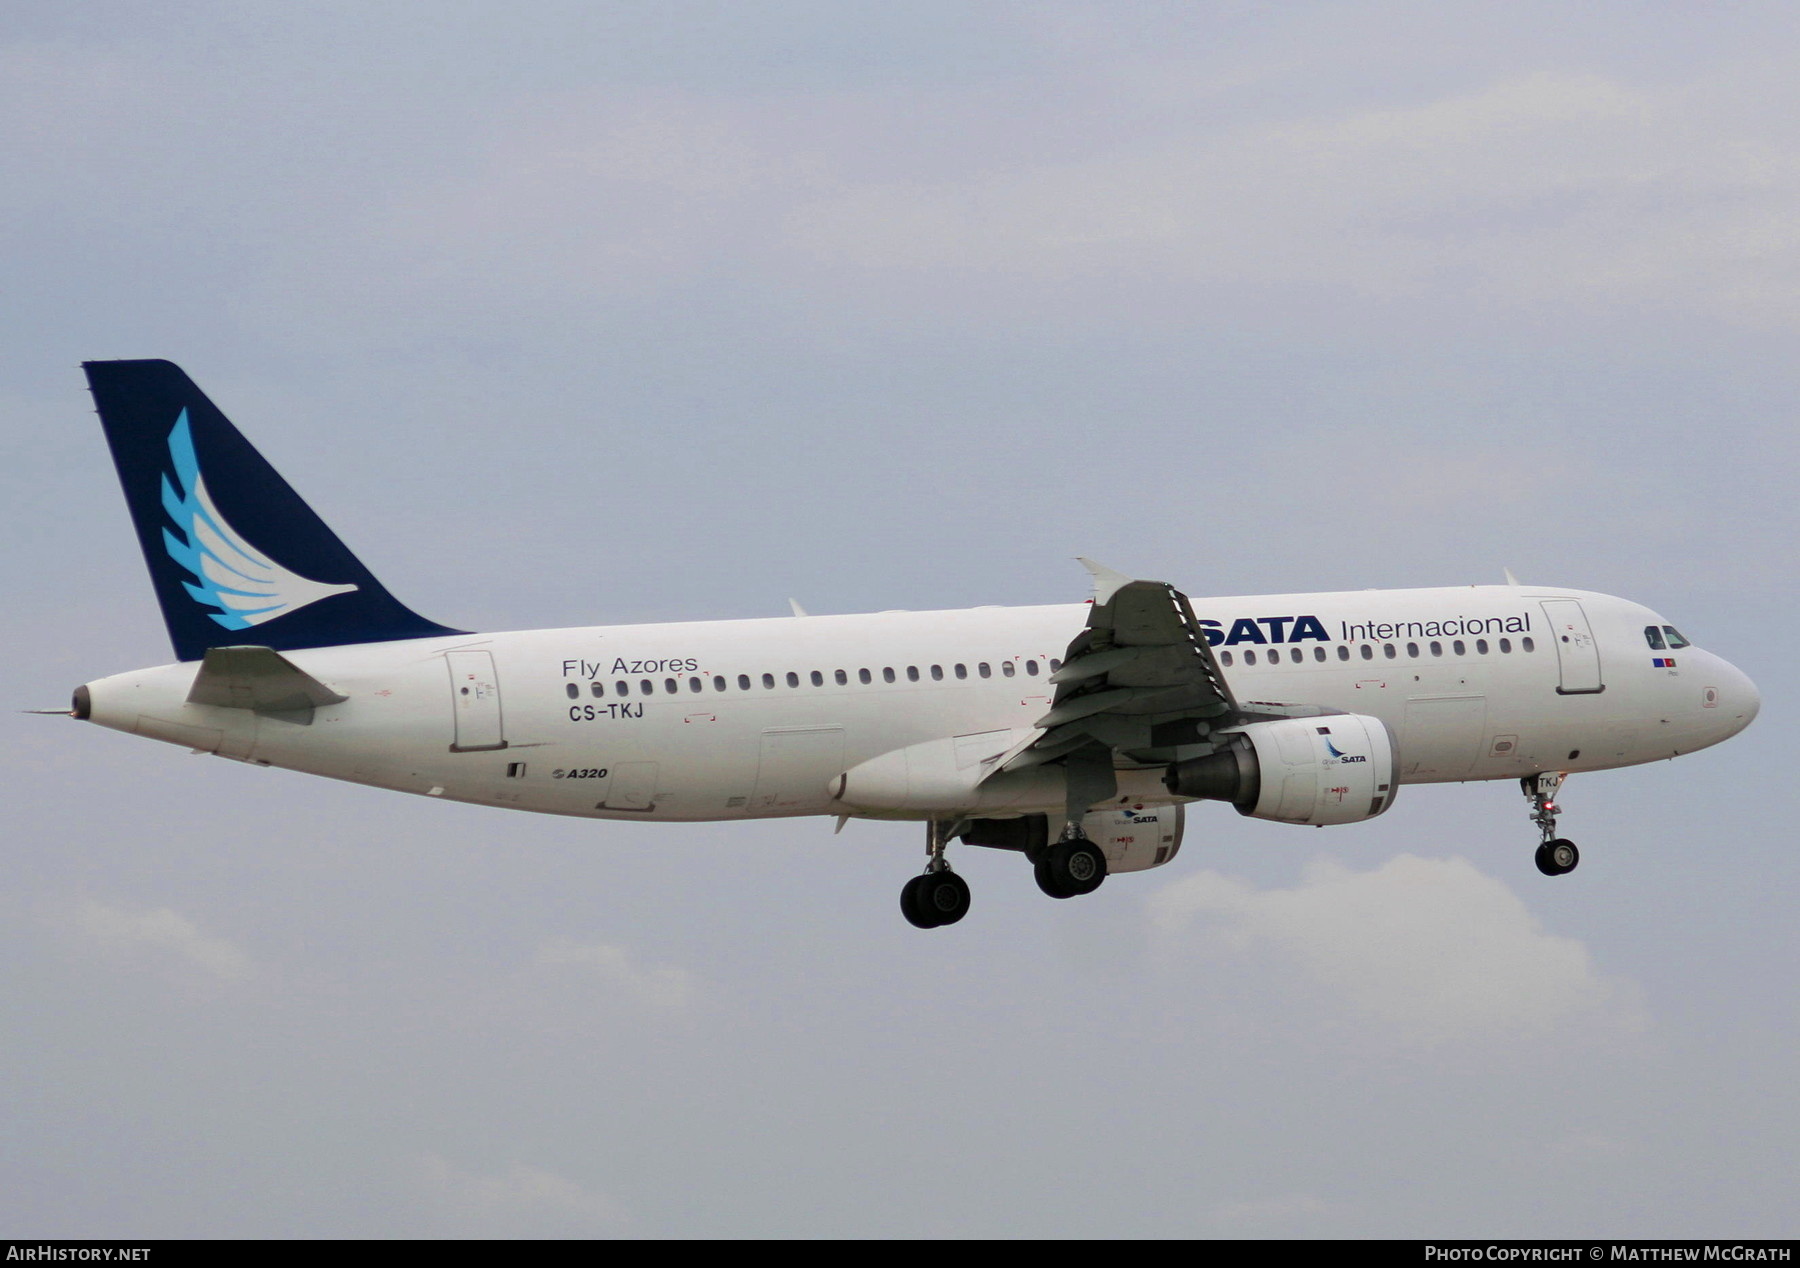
(939,896)
(1555,856)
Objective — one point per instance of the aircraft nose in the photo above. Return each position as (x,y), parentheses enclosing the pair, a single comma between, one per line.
(1739,701)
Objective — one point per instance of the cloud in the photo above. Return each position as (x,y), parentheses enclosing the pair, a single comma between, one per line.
(617,971)
(1542,186)
(1428,951)
(160,936)
(521,1200)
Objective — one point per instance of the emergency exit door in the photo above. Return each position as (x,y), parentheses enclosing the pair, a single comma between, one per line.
(475,702)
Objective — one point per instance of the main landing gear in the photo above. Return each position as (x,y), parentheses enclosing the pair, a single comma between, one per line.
(1073,866)
(1555,856)
(1070,867)
(939,896)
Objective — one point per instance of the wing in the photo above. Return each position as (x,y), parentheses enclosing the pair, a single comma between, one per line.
(1139,681)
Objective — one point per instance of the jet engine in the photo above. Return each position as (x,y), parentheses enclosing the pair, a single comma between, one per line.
(1336,768)
(1136,840)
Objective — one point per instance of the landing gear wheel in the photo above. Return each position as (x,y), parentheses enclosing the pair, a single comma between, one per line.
(935,898)
(912,908)
(1556,857)
(1070,868)
(945,896)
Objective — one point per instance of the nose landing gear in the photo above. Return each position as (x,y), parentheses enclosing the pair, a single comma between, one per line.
(1555,856)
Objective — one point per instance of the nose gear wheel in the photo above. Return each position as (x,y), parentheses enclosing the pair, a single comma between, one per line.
(1555,855)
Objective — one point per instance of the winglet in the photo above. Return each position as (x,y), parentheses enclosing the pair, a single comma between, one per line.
(798,610)
(1510,579)
(1107,583)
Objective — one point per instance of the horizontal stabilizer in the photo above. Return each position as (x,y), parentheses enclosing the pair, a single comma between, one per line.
(257,678)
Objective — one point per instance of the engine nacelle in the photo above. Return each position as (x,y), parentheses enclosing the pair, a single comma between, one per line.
(1132,840)
(1335,768)
(1136,840)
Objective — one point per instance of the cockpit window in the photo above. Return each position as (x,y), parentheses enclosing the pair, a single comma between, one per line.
(1675,639)
(1653,636)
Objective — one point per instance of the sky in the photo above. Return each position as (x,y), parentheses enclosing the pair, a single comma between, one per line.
(569,314)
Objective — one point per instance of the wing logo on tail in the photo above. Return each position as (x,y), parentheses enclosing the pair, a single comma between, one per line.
(229,574)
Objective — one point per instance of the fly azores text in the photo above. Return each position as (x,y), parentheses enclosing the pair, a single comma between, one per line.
(622,667)
(1298,629)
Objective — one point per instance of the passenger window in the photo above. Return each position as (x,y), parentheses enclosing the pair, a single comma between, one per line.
(1249,657)
(1505,646)
(1368,651)
(912,673)
(841,678)
(1055,664)
(983,670)
(671,686)
(1296,655)
(1481,646)
(1412,650)
(622,687)
(719,682)
(743,682)
(1676,641)
(962,671)
(1459,648)
(693,684)
(1526,645)
(887,674)
(1387,649)
(1008,669)
(864,677)
(648,687)
(1437,648)
(575,692)
(793,679)
(1031,668)
(768,682)
(818,679)
(1225,658)
(1318,653)
(1343,651)
(937,673)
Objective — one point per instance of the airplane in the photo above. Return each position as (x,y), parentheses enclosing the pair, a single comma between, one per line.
(1075,734)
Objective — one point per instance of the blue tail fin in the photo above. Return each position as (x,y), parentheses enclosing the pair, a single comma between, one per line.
(235,555)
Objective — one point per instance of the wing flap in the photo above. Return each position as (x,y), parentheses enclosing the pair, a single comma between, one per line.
(1140,681)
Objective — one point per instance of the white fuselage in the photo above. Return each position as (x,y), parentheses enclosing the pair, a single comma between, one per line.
(657,722)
